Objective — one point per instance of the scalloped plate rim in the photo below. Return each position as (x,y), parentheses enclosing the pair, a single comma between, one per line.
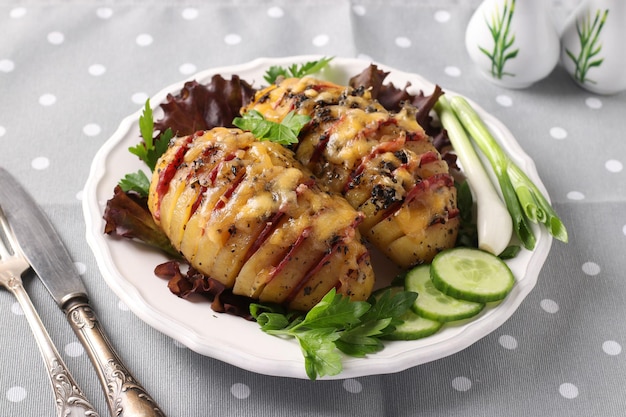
(251,349)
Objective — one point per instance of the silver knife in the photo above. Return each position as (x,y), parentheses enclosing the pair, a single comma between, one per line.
(50,259)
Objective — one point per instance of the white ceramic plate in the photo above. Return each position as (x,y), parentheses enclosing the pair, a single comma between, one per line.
(128,268)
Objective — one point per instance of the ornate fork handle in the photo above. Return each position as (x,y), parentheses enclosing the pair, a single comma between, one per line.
(125,396)
(70,401)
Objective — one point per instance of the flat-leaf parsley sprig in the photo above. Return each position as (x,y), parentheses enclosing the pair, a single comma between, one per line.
(286,132)
(336,325)
(149,150)
(295,70)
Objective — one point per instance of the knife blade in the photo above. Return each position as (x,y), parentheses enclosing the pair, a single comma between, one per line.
(41,244)
(49,258)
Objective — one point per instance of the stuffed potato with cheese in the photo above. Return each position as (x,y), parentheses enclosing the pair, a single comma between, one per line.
(382,163)
(249,215)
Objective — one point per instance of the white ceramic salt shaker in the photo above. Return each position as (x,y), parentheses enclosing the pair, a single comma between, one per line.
(513,42)
(593,46)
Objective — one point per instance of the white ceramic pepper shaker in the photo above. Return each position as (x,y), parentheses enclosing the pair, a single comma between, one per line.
(593,46)
(513,42)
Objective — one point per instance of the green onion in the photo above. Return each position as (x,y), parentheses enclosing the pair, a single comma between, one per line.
(524,201)
(493,222)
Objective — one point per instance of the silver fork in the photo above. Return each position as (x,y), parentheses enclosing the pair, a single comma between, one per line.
(69,399)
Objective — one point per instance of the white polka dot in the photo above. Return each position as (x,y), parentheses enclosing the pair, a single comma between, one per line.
(624,230)
(575,195)
(187,69)
(452,71)
(79,195)
(359,10)
(240,391)
(91,129)
(139,98)
(3,131)
(568,390)
(352,386)
(16,394)
(558,132)
(593,103)
(190,13)
(321,40)
(591,268)
(549,306)
(611,347)
(232,39)
(16,309)
(461,383)
(504,100)
(6,65)
(613,165)
(40,163)
(442,16)
(104,12)
(364,57)
(74,349)
(56,38)
(275,12)
(122,305)
(507,342)
(144,39)
(17,12)
(97,69)
(47,99)
(403,42)
(81,268)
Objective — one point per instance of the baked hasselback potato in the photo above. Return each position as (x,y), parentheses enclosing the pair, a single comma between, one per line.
(247,214)
(383,163)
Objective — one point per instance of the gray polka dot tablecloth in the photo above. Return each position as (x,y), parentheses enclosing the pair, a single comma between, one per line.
(71,70)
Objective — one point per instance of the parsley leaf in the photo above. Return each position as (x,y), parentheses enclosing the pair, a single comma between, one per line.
(363,339)
(389,304)
(335,310)
(295,70)
(137,182)
(380,320)
(150,149)
(285,133)
(320,355)
(336,325)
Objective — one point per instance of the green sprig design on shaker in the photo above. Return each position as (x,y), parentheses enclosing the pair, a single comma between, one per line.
(500,28)
(588,36)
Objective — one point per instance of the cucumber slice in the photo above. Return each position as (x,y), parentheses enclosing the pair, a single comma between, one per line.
(414,326)
(471,274)
(432,303)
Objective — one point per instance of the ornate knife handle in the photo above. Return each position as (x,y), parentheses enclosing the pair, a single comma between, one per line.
(125,396)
